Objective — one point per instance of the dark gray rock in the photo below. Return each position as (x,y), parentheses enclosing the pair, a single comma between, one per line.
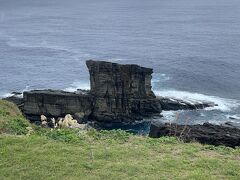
(122,92)
(119,93)
(232,124)
(172,104)
(54,103)
(206,133)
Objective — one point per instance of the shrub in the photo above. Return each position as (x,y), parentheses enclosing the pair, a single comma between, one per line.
(17,125)
(66,135)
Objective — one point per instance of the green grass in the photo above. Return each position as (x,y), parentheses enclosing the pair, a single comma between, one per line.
(72,154)
(11,119)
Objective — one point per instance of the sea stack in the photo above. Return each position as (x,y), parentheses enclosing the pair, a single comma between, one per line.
(121,93)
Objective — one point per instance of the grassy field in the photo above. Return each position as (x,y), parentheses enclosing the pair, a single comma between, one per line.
(71,154)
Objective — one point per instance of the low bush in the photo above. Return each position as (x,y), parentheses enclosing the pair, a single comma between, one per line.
(66,135)
(17,125)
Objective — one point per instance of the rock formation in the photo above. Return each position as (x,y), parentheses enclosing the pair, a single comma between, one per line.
(206,133)
(121,92)
(55,103)
(173,104)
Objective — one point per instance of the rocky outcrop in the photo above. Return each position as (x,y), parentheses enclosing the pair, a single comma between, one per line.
(232,124)
(173,104)
(53,103)
(121,92)
(206,133)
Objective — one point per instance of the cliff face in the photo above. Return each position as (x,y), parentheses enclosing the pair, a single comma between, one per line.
(111,79)
(121,92)
(55,103)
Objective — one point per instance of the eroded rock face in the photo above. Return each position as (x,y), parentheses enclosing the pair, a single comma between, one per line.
(53,103)
(113,80)
(121,92)
(206,133)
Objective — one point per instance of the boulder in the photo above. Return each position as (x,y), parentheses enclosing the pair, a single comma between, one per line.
(206,133)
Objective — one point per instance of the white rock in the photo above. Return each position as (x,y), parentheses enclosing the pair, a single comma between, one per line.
(43,118)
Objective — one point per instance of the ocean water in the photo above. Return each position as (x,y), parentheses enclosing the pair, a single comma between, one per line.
(192,45)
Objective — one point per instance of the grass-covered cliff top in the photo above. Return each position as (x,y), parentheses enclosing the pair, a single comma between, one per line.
(70,154)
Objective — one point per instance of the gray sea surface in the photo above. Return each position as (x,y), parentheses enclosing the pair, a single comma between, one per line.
(192,45)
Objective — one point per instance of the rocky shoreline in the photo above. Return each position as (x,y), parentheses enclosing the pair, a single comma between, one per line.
(206,133)
(120,95)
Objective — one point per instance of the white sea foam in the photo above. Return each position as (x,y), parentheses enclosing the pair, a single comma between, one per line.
(168,116)
(7,94)
(78,85)
(116,59)
(224,105)
(234,117)
(75,54)
(157,77)
(14,42)
(4,94)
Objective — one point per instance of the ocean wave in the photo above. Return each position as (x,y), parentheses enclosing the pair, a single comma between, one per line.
(8,94)
(74,54)
(224,105)
(5,94)
(158,77)
(13,42)
(78,85)
(233,117)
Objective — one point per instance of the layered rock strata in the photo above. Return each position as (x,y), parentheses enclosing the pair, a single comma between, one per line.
(121,92)
(53,103)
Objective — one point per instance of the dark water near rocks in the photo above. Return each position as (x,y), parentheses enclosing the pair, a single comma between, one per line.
(193,46)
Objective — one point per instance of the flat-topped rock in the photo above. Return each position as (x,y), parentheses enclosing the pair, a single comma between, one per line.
(58,92)
(173,104)
(121,92)
(114,79)
(206,133)
(55,103)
